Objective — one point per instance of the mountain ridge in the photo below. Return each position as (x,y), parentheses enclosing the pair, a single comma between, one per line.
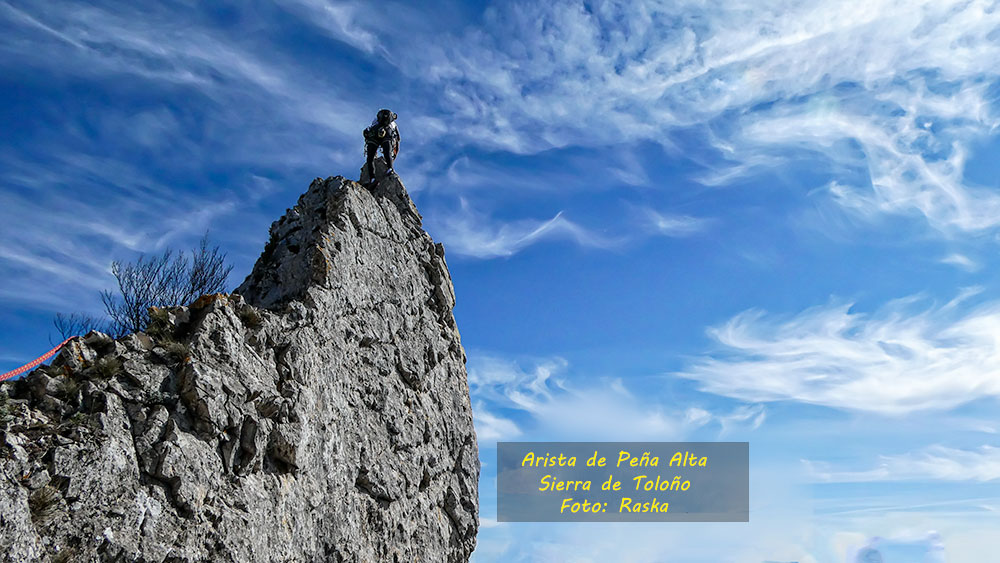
(318,413)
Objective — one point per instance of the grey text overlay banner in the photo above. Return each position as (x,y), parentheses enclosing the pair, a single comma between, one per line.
(623,481)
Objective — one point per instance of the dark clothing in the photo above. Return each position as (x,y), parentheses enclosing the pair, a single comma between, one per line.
(371,149)
(381,134)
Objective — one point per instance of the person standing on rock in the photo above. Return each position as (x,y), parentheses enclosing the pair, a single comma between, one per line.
(384,134)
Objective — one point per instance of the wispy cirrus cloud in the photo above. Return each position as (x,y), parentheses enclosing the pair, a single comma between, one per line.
(934,463)
(491,427)
(472,233)
(896,360)
(350,22)
(766,80)
(235,86)
(760,79)
(671,225)
(66,227)
(553,405)
(961,261)
(928,546)
(190,103)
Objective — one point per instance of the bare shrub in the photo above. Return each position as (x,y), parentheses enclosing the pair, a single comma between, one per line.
(168,279)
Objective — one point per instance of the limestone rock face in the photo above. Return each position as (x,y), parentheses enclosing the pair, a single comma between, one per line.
(319,413)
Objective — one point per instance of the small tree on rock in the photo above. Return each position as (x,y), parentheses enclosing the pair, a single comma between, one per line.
(76,324)
(165,280)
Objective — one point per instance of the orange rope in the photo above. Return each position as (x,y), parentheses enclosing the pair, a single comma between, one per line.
(36,363)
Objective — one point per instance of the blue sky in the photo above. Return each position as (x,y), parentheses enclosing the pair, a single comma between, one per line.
(766,221)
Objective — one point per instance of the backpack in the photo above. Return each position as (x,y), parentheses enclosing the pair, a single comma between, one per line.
(376,135)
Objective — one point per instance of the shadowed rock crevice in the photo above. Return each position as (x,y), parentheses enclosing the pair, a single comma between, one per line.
(318,413)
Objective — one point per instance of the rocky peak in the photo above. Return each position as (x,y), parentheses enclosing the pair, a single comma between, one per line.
(319,413)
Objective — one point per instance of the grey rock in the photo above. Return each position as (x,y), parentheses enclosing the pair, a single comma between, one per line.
(319,413)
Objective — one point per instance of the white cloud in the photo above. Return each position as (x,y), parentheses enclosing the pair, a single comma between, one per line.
(231,105)
(165,52)
(786,75)
(59,250)
(556,407)
(928,546)
(471,233)
(603,74)
(346,21)
(746,165)
(893,361)
(489,522)
(935,463)
(961,261)
(909,168)
(492,428)
(671,225)
(784,524)
(749,416)
(696,416)
(594,410)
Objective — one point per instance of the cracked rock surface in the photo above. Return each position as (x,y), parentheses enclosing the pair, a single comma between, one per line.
(319,413)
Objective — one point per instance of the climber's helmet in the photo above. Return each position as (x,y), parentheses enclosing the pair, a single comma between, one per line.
(385,116)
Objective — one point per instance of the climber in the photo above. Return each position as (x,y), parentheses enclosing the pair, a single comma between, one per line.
(384,134)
